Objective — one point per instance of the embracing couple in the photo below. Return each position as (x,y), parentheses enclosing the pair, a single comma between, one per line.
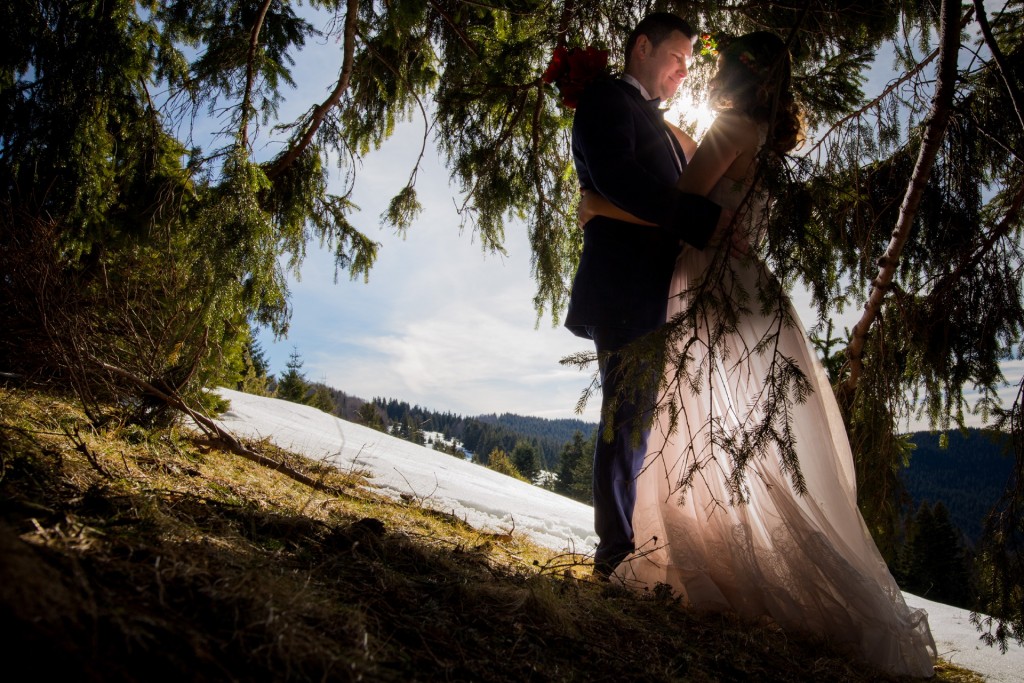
(656,208)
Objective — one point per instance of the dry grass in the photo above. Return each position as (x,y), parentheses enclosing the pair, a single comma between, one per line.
(131,555)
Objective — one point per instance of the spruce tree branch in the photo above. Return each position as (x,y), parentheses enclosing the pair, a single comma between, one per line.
(505,133)
(568,10)
(935,130)
(535,149)
(998,143)
(1001,542)
(320,112)
(250,70)
(885,93)
(1010,220)
(455,27)
(875,102)
(1011,87)
(427,123)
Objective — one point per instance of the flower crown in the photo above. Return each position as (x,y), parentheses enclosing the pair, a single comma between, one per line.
(570,70)
(712,47)
(708,45)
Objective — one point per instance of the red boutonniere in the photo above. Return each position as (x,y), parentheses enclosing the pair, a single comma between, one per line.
(571,70)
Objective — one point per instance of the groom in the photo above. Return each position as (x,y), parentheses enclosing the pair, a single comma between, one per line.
(624,151)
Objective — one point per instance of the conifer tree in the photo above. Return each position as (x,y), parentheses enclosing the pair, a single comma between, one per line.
(253,375)
(572,453)
(526,459)
(257,357)
(934,563)
(582,488)
(576,469)
(411,430)
(499,461)
(293,386)
(369,415)
(320,398)
(449,448)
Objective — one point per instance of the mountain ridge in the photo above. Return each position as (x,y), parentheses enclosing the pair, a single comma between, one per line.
(967,475)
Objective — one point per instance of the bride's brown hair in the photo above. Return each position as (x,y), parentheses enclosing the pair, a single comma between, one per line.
(754,78)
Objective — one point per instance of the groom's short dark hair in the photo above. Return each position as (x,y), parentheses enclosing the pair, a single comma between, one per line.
(657,26)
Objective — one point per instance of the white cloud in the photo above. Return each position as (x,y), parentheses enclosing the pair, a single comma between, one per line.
(439,323)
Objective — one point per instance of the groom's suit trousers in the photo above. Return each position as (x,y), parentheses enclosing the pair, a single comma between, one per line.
(631,395)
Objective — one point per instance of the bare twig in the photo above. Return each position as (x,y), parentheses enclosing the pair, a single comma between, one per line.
(76,438)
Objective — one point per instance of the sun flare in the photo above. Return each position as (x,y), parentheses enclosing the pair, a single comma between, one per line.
(691,113)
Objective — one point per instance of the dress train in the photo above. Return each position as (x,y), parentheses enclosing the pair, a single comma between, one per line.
(806,561)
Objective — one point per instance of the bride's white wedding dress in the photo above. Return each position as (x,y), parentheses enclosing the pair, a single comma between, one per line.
(805,561)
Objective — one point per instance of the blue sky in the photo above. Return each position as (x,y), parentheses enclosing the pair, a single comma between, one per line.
(440,323)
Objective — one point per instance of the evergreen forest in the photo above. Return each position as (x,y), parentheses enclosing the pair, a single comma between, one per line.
(965,471)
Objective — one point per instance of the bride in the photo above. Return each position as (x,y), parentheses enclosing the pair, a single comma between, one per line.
(722,515)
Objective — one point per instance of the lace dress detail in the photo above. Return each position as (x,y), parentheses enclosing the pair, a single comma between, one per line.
(806,561)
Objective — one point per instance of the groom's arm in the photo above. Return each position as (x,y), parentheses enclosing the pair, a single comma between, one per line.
(604,141)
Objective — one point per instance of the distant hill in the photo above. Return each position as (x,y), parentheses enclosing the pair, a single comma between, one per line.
(559,430)
(481,435)
(968,476)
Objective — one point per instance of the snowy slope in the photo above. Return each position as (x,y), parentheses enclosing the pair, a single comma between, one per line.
(484,498)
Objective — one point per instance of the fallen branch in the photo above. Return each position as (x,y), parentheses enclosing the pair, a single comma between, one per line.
(218,433)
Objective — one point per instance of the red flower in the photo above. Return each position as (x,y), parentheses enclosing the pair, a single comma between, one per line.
(709,46)
(571,70)
(559,59)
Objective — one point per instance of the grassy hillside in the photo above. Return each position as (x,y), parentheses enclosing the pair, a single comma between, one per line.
(134,555)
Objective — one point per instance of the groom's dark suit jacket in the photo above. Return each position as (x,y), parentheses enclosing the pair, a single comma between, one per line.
(623,151)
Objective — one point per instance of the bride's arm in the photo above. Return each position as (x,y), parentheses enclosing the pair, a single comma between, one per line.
(729,137)
(593,204)
(688,144)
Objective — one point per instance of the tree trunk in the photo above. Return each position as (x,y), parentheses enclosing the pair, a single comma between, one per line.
(938,119)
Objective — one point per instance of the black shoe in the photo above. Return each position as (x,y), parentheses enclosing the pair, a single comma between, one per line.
(603,568)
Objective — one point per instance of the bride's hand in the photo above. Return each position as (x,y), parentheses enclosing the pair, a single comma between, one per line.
(593,204)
